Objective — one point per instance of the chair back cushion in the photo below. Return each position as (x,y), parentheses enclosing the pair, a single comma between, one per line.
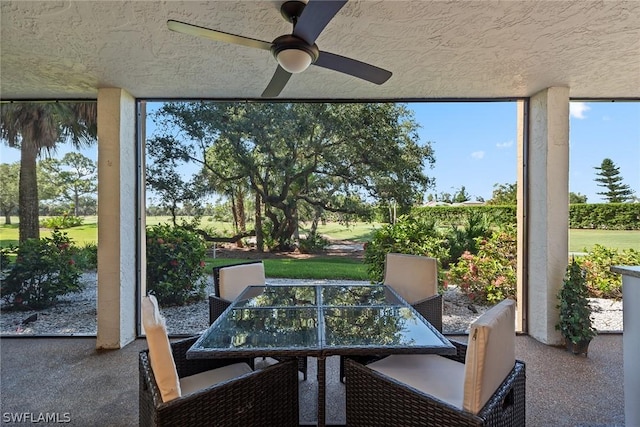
(490,354)
(202,380)
(414,277)
(160,355)
(234,279)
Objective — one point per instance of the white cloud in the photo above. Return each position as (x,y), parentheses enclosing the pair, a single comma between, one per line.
(477,154)
(577,109)
(504,144)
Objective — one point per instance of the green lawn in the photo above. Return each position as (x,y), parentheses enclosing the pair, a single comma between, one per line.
(321,267)
(579,240)
(358,232)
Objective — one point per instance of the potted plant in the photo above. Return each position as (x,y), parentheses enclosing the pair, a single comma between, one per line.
(575,312)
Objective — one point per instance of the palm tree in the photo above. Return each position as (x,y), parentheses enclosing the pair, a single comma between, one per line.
(32,127)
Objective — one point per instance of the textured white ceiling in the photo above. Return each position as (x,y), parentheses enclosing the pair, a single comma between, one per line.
(435,49)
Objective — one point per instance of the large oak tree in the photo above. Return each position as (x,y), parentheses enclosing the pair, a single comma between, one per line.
(329,156)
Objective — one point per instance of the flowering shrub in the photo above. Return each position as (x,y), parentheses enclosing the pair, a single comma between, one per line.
(44,270)
(175,265)
(489,276)
(409,235)
(601,281)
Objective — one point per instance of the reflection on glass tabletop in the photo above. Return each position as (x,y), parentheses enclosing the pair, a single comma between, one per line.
(265,328)
(278,296)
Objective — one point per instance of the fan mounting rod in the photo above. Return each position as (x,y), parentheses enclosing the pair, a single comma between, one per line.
(291,10)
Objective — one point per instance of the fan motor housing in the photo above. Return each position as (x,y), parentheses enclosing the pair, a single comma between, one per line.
(289,41)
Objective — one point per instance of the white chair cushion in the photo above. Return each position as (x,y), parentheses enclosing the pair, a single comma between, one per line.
(490,354)
(490,357)
(434,375)
(414,277)
(234,279)
(206,379)
(160,355)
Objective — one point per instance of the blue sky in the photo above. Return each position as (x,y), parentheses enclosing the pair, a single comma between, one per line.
(475,144)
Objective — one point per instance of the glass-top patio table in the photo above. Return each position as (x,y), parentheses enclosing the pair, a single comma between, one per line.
(320,321)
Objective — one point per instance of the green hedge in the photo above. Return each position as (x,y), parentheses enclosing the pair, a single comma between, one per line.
(605,216)
(456,215)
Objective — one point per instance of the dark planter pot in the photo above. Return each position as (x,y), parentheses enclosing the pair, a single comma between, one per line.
(582,347)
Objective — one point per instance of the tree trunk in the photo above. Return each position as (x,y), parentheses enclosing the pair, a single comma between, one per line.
(76,198)
(28,193)
(240,217)
(234,212)
(317,215)
(258,222)
(7,218)
(284,229)
(289,227)
(173,209)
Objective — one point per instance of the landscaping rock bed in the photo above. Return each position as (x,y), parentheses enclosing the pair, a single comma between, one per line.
(75,314)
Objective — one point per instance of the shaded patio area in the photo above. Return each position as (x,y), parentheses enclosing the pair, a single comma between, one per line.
(68,376)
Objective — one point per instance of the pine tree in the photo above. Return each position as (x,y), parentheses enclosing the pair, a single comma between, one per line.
(609,178)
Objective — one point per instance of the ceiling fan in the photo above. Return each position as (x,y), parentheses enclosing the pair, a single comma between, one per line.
(295,52)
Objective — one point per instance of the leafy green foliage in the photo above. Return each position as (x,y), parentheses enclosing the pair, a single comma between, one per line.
(312,243)
(61,222)
(605,216)
(9,177)
(601,281)
(498,216)
(490,275)
(87,257)
(44,270)
(175,264)
(293,154)
(74,180)
(575,321)
(504,194)
(575,198)
(410,235)
(464,238)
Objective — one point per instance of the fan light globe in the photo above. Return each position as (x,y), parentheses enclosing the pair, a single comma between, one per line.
(294,60)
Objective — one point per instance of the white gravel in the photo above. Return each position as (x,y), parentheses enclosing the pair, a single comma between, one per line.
(75,314)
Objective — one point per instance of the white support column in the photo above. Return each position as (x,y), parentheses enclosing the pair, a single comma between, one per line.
(116,219)
(521,315)
(548,203)
(630,341)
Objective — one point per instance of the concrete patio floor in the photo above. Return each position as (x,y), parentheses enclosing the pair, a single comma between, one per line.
(68,377)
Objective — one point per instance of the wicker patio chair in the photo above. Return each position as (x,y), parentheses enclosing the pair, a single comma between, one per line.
(264,397)
(233,280)
(229,281)
(415,278)
(482,385)
(175,391)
